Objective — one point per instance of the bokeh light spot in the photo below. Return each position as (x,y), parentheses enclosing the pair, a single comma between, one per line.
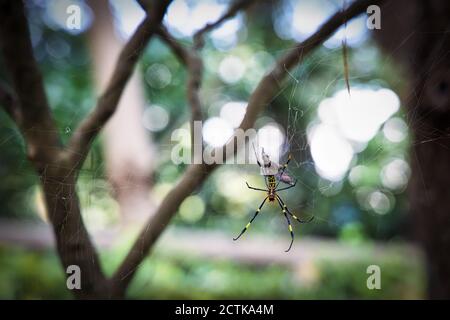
(158,76)
(155,118)
(192,209)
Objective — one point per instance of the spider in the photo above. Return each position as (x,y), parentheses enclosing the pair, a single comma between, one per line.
(273,172)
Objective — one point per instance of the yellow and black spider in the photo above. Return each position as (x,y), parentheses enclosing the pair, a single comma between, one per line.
(273,172)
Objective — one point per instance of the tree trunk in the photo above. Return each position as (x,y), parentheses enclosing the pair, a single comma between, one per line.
(45,152)
(416,34)
(58,165)
(72,239)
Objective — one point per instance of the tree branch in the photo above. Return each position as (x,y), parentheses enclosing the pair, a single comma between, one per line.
(9,102)
(89,128)
(192,60)
(231,12)
(196,174)
(181,52)
(194,65)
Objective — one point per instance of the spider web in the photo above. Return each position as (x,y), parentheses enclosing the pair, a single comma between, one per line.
(296,139)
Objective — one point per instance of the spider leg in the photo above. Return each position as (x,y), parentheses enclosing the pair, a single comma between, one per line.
(253,188)
(288,187)
(290,230)
(251,220)
(283,168)
(285,208)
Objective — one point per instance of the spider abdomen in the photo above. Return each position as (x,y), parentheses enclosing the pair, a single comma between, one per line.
(272,182)
(271,186)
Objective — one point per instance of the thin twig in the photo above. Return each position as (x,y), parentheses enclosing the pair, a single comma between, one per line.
(345,52)
(346,68)
(192,60)
(194,65)
(180,51)
(231,12)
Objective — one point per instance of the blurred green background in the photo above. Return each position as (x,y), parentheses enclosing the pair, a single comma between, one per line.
(352,179)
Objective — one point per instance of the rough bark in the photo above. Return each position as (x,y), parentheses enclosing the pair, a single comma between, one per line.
(416,34)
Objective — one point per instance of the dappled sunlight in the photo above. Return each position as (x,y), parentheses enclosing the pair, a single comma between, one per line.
(184,18)
(347,123)
(128,15)
(155,118)
(231,69)
(271,137)
(299,19)
(395,129)
(359,115)
(331,153)
(233,112)
(217,131)
(56,15)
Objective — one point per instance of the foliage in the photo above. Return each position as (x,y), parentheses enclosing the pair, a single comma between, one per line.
(37,275)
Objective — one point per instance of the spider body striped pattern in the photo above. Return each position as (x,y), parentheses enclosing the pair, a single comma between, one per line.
(273,175)
(271,186)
